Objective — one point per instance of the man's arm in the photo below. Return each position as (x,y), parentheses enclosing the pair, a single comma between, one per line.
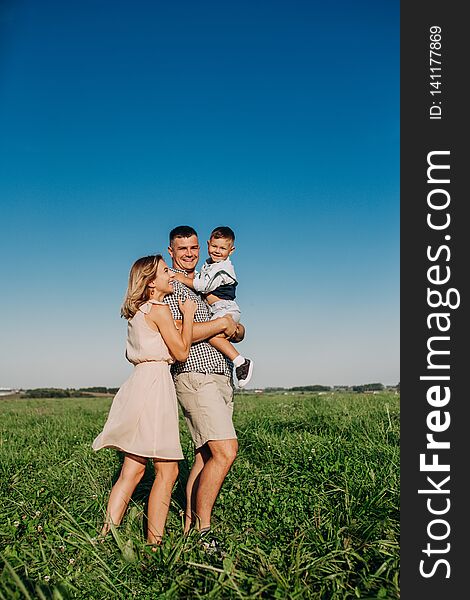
(222,325)
(203,330)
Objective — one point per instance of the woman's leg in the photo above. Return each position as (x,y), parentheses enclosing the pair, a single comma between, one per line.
(131,473)
(166,473)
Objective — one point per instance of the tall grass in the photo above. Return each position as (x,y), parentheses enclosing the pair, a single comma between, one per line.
(310,508)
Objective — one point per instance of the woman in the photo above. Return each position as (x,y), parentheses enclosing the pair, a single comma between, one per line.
(143,419)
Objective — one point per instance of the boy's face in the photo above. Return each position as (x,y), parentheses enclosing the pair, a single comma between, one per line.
(220,248)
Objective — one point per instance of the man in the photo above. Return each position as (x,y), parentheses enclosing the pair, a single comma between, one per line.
(204,390)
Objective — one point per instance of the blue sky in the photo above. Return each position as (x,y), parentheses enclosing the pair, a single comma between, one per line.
(119,121)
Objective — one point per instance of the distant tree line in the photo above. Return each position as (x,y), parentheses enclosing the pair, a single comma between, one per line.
(310,388)
(54,393)
(300,388)
(90,391)
(67,392)
(99,390)
(366,387)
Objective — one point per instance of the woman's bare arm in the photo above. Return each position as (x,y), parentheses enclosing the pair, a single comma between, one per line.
(178,340)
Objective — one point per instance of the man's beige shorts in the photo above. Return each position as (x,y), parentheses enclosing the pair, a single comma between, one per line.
(207,404)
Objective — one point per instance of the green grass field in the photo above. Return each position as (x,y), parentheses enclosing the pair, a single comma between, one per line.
(310,508)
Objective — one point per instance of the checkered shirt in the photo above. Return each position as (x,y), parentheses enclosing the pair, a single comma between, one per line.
(203,358)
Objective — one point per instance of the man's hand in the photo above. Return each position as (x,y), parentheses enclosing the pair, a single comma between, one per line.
(222,326)
(230,327)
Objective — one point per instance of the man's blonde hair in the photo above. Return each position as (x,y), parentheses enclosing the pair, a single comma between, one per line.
(142,273)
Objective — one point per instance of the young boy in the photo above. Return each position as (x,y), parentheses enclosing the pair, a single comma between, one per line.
(217,282)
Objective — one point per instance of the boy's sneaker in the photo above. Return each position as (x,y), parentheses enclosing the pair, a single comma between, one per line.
(210,543)
(244,372)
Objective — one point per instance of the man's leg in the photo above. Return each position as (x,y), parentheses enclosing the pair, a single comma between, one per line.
(202,455)
(211,478)
(207,403)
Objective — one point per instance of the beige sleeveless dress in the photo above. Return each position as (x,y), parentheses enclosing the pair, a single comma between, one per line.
(143,418)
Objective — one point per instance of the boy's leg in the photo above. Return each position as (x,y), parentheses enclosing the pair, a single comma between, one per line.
(223,345)
(243,366)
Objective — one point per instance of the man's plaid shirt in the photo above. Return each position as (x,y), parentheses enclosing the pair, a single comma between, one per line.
(203,358)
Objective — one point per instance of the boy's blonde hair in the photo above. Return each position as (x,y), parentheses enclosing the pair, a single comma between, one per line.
(223,232)
(142,272)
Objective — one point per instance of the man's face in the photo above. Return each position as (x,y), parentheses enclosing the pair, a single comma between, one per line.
(184,253)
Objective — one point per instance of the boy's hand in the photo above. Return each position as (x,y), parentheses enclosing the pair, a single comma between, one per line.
(239,334)
(184,279)
(179,276)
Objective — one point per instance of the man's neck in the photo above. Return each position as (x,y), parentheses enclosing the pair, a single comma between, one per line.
(189,274)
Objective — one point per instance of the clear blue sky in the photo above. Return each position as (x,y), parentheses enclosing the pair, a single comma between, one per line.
(120,120)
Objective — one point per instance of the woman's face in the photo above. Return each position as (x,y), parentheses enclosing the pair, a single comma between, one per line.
(163,281)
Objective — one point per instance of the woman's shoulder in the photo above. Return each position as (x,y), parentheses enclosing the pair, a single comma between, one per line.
(150,305)
(159,311)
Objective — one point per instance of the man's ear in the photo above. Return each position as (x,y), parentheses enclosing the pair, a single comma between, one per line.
(170,251)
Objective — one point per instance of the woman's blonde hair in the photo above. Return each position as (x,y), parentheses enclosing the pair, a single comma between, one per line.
(142,272)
